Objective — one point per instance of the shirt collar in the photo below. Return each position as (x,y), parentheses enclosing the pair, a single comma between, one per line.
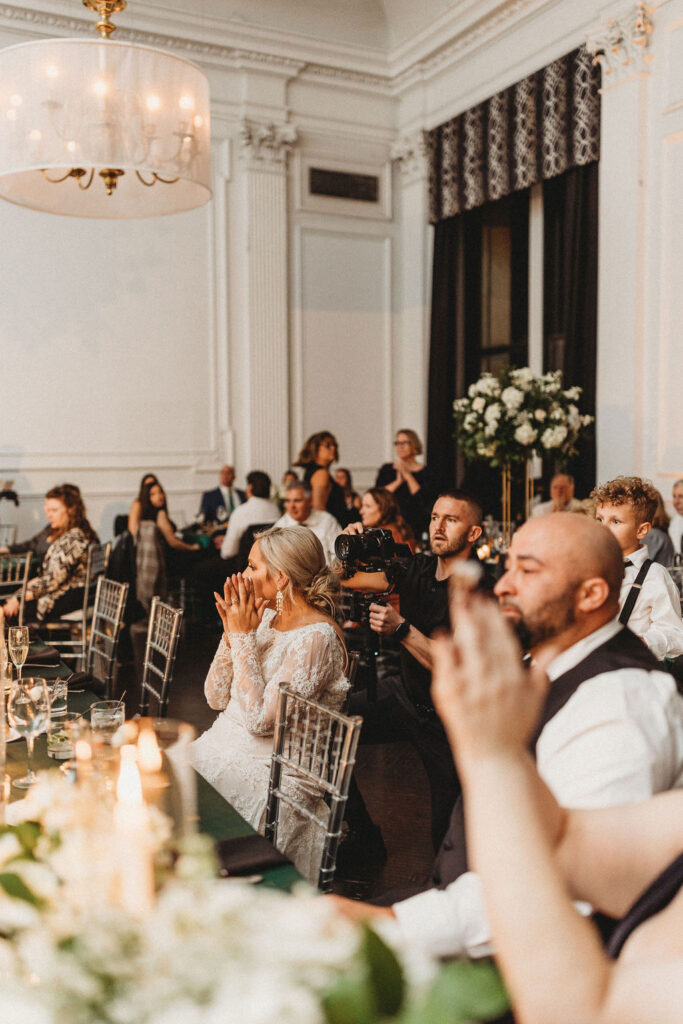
(638,557)
(582,648)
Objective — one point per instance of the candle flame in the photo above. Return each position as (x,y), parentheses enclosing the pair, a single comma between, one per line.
(149,755)
(129,787)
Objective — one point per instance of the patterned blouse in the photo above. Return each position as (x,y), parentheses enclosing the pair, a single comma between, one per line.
(63,569)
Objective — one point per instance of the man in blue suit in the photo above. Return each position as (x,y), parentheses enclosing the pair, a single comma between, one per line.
(217,505)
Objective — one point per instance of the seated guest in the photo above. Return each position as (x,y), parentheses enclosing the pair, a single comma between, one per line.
(611,729)
(561,497)
(299,511)
(531,854)
(409,481)
(279,626)
(38,544)
(343,477)
(657,541)
(59,587)
(676,524)
(136,506)
(153,509)
(379,510)
(315,458)
(256,510)
(649,600)
(290,476)
(218,505)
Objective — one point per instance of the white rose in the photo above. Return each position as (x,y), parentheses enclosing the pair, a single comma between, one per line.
(572,394)
(472,390)
(525,434)
(512,398)
(470,421)
(539,415)
(524,376)
(553,437)
(492,414)
(479,404)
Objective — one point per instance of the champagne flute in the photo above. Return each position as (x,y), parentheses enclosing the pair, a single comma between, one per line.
(28,711)
(17,645)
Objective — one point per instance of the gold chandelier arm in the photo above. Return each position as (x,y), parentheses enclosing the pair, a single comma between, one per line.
(56,181)
(89,182)
(155,179)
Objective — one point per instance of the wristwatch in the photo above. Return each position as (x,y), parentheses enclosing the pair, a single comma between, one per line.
(401,631)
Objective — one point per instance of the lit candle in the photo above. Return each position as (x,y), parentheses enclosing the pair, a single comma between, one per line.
(149,759)
(134,853)
(83,752)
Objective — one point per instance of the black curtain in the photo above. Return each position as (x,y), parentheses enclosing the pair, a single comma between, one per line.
(456,316)
(570,297)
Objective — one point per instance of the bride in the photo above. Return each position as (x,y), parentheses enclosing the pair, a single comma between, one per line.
(278,626)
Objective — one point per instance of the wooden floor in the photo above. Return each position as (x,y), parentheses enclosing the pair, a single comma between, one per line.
(390,776)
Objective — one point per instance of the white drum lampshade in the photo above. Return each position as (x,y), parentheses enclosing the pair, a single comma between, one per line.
(127,128)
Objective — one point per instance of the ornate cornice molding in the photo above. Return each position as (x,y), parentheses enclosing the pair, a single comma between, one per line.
(410,153)
(266,145)
(622,45)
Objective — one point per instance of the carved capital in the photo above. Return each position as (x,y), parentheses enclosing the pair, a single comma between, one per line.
(266,145)
(411,154)
(622,45)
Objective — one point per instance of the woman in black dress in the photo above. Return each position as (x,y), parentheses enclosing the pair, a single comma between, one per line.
(409,481)
(315,458)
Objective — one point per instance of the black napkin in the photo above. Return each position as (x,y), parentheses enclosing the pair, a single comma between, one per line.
(48,656)
(245,855)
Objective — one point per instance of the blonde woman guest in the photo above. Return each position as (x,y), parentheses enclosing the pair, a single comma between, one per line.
(278,626)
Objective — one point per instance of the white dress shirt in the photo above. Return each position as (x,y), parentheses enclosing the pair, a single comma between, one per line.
(656,615)
(545,507)
(676,532)
(251,513)
(324,526)
(617,740)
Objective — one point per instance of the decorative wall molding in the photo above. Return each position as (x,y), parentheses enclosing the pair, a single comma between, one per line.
(411,154)
(622,45)
(266,144)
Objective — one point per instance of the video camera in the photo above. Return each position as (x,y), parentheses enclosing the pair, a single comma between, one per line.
(369,551)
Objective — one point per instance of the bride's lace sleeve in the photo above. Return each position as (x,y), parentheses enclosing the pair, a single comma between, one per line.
(310,662)
(219,678)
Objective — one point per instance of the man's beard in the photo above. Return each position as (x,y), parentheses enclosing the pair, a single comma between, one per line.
(454,549)
(555,616)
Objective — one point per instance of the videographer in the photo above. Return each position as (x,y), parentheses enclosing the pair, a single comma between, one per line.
(406,710)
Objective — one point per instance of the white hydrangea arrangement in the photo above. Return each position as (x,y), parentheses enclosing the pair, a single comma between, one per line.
(509,418)
(210,951)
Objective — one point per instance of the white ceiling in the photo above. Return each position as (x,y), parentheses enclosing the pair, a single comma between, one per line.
(376,24)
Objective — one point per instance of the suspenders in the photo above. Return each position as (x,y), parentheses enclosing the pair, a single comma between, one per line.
(629,603)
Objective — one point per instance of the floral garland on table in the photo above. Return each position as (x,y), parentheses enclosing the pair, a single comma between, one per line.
(518,414)
(209,951)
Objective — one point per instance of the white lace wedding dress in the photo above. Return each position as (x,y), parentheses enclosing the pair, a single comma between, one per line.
(243,682)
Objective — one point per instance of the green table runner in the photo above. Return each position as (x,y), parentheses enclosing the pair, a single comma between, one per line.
(216,817)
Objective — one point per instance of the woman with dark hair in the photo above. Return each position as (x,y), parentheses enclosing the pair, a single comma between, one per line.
(352,498)
(153,509)
(136,506)
(315,458)
(409,481)
(278,626)
(59,588)
(379,510)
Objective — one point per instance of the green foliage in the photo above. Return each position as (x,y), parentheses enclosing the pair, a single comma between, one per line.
(374,991)
(463,992)
(17,889)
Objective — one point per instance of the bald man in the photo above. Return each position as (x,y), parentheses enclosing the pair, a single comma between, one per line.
(561,497)
(611,731)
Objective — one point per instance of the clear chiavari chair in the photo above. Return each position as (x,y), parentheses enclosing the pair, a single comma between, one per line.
(163,633)
(14,573)
(105,630)
(315,746)
(75,623)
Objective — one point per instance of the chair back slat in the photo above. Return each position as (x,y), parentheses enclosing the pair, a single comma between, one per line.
(163,633)
(105,630)
(316,746)
(14,574)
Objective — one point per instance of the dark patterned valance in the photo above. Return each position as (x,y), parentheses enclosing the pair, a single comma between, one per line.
(534,130)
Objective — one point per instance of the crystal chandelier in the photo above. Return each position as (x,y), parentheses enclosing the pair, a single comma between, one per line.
(99,128)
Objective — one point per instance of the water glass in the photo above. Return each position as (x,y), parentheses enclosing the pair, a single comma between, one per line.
(58,690)
(106,716)
(28,712)
(60,736)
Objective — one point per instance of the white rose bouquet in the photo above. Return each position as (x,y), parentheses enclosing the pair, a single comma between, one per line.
(509,418)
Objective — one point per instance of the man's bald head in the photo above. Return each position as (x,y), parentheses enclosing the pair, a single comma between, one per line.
(580,547)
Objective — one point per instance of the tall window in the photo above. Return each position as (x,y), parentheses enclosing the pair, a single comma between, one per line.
(504,283)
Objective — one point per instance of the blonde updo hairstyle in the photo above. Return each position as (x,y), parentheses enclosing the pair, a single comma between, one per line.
(296,552)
